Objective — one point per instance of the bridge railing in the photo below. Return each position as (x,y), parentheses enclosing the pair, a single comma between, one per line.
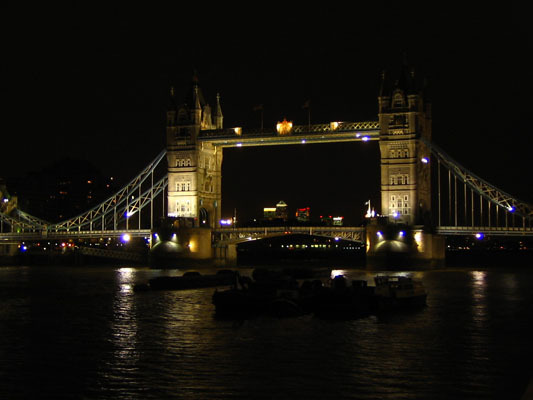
(484,230)
(333,127)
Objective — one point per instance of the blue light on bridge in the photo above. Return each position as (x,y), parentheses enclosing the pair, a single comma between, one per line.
(365,138)
(425,160)
(480,236)
(125,238)
(401,234)
(511,208)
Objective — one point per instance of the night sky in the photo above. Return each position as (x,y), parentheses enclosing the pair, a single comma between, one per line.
(93,84)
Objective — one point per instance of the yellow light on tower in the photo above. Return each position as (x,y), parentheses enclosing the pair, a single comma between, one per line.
(238,131)
(334,125)
(284,127)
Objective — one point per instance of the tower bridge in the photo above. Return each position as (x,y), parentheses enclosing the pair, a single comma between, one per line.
(421,186)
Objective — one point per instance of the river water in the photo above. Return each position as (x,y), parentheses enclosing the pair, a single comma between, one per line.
(82,333)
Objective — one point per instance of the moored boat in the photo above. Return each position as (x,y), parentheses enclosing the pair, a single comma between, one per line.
(398,292)
(189,280)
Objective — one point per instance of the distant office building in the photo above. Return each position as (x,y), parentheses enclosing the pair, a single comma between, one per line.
(338,221)
(282,211)
(303,214)
(332,221)
(269,213)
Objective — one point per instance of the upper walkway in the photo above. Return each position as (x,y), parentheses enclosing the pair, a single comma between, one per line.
(319,133)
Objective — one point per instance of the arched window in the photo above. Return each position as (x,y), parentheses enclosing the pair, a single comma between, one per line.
(398,100)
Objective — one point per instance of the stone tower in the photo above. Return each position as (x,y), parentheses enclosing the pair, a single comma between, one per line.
(405,118)
(194,167)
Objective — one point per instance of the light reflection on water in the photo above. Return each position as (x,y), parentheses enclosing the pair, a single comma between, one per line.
(124,326)
(112,342)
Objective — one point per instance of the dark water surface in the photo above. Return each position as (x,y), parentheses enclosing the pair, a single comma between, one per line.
(82,333)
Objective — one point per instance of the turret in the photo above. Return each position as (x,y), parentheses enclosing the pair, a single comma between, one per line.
(172,108)
(196,112)
(218,114)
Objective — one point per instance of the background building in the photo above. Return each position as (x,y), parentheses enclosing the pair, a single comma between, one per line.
(303,214)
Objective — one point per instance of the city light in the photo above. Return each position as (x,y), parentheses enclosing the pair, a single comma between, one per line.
(239,144)
(401,234)
(425,160)
(480,236)
(379,234)
(303,141)
(125,238)
(226,222)
(365,139)
(511,208)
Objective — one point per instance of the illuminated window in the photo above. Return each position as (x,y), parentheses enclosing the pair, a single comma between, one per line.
(393,153)
(183,208)
(183,162)
(183,186)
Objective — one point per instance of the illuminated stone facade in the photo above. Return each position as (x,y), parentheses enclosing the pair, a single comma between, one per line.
(194,168)
(405,118)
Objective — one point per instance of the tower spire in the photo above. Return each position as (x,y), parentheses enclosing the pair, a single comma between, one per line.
(218,114)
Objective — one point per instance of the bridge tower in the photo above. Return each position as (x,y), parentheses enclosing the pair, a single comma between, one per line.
(405,118)
(194,168)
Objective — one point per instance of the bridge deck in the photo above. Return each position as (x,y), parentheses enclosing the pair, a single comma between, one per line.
(63,235)
(495,231)
(224,235)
